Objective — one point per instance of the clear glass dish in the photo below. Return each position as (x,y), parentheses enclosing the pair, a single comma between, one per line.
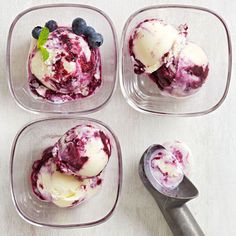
(18,47)
(28,146)
(210,32)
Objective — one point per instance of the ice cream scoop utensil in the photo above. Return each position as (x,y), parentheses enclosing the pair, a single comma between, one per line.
(171,202)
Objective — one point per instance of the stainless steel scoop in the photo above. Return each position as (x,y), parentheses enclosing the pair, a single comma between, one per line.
(171,202)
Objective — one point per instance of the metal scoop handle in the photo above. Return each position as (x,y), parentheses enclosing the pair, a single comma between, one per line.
(171,203)
(182,222)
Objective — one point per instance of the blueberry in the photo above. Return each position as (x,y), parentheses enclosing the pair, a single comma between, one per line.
(89,31)
(51,25)
(95,40)
(78,26)
(36,32)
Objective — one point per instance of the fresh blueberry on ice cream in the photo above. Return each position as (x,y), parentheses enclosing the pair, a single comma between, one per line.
(79,25)
(63,65)
(36,32)
(75,178)
(51,25)
(178,66)
(170,164)
(83,151)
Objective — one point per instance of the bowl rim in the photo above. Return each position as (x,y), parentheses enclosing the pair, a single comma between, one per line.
(174,114)
(8,50)
(120,173)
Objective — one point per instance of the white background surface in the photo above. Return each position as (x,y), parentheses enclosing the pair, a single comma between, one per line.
(212,139)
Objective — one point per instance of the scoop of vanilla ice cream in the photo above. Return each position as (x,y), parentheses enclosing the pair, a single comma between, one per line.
(64,190)
(84,151)
(151,40)
(58,61)
(165,169)
(185,70)
(182,153)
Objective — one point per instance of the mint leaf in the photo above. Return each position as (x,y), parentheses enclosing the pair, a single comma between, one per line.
(44,52)
(43,37)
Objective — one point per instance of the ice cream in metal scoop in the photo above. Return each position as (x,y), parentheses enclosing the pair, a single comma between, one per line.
(171,193)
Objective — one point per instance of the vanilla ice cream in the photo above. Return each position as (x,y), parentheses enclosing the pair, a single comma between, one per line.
(178,66)
(186,74)
(166,169)
(71,171)
(83,151)
(72,70)
(64,190)
(194,54)
(150,41)
(182,153)
(169,164)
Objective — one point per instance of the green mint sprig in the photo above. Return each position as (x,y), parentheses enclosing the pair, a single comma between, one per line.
(43,37)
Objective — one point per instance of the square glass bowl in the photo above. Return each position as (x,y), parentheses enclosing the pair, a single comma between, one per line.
(18,48)
(28,147)
(210,32)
